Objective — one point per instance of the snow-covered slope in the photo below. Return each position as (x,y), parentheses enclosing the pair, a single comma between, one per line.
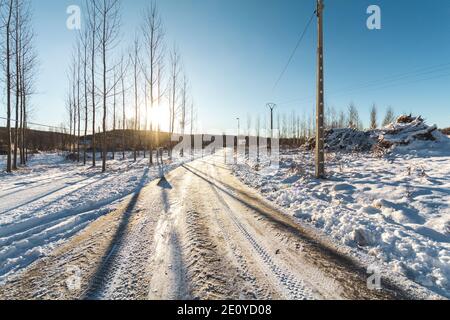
(395,210)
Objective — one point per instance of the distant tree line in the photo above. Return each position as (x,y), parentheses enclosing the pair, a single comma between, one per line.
(297,129)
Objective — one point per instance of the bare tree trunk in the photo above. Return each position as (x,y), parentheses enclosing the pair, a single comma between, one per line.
(104,146)
(85,46)
(135,59)
(153,36)
(175,71)
(8,86)
(136,115)
(70,123)
(78,103)
(21,154)
(109,11)
(145,119)
(122,71)
(93,26)
(24,112)
(17,53)
(113,145)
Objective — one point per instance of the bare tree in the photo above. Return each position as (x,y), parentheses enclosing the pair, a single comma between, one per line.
(115,82)
(70,111)
(109,26)
(73,94)
(342,120)
(183,107)
(374,117)
(17,22)
(134,59)
(389,117)
(258,134)
(332,118)
(153,41)
(78,95)
(8,28)
(174,83)
(123,68)
(192,117)
(354,121)
(85,45)
(27,74)
(92,26)
(249,125)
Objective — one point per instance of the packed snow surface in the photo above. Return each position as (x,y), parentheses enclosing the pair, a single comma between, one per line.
(43,205)
(394,210)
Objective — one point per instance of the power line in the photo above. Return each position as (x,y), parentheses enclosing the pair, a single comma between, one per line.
(36,124)
(302,36)
(386,82)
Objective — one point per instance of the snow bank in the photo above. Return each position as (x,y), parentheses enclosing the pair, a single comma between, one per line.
(394,210)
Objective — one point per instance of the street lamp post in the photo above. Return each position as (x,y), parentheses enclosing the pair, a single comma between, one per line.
(272,107)
(239,127)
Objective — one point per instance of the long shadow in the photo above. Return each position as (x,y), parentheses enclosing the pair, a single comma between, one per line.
(31,223)
(74,191)
(22,186)
(100,276)
(41,196)
(25,186)
(165,186)
(165,200)
(328,252)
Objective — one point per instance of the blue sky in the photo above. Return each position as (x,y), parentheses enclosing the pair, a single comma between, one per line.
(234,51)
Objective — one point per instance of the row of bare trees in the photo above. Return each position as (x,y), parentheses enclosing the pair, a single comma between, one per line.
(19,61)
(107,79)
(301,128)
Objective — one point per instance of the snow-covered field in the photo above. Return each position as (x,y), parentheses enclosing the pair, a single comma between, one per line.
(43,205)
(393,211)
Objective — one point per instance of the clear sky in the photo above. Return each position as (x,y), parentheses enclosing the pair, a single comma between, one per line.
(234,51)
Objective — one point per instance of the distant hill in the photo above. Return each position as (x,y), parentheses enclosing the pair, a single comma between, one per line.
(49,141)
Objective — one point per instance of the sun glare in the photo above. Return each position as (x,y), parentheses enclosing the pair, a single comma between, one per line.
(160,117)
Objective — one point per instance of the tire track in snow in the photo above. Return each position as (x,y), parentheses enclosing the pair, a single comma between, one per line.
(244,269)
(294,288)
(122,273)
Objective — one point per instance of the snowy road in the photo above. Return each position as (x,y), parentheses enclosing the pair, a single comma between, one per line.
(201,234)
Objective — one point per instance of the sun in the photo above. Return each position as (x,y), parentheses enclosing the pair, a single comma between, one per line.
(159,116)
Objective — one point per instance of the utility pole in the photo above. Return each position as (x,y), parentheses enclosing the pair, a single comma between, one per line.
(320,140)
(272,107)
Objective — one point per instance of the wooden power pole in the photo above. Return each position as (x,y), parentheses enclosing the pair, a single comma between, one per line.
(320,139)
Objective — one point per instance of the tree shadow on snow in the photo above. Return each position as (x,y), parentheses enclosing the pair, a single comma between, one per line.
(106,266)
